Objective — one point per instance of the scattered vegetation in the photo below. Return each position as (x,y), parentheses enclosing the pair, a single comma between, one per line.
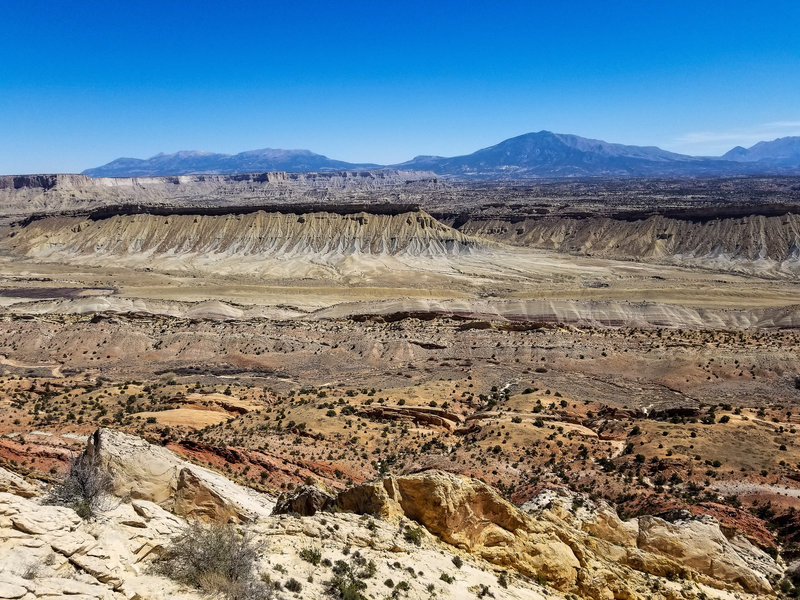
(217,559)
(348,577)
(413,535)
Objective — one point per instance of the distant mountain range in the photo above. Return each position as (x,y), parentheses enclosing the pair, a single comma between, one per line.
(188,162)
(532,155)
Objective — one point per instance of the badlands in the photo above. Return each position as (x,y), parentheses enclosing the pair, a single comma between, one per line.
(393,385)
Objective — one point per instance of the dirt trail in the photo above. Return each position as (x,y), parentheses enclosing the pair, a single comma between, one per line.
(55,370)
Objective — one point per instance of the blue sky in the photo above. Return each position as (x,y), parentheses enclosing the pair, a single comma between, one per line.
(82,83)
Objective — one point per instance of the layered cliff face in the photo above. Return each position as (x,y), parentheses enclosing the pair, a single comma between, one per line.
(241,241)
(24,195)
(756,238)
(753,244)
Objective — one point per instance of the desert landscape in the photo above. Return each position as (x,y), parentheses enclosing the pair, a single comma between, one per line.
(579,388)
(400,301)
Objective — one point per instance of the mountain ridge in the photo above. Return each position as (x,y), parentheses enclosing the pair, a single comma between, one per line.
(784,151)
(192,162)
(541,154)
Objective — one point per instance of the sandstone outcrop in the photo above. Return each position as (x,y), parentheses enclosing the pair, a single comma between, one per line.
(436,417)
(692,547)
(147,472)
(48,551)
(698,543)
(14,484)
(574,554)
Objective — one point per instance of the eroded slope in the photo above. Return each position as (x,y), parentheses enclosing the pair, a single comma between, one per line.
(755,244)
(254,234)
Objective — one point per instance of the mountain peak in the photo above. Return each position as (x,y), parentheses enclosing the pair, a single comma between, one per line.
(784,152)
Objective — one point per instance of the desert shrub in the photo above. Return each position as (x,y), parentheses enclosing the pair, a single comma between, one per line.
(458,562)
(347,579)
(312,555)
(31,571)
(413,535)
(86,488)
(217,559)
(293,585)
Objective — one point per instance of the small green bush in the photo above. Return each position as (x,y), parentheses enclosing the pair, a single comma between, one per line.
(413,535)
(312,555)
(293,585)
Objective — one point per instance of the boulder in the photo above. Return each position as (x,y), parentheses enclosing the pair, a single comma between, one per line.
(306,501)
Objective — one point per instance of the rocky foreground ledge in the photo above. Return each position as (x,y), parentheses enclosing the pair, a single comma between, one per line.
(441,535)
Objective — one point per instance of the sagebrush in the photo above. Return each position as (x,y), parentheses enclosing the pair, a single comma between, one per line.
(87,488)
(218,559)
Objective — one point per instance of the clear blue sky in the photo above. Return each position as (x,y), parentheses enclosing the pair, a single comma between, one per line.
(82,83)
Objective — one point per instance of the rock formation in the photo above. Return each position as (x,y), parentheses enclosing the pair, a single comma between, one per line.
(146,472)
(436,417)
(25,195)
(254,234)
(306,500)
(559,544)
(571,554)
(14,484)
